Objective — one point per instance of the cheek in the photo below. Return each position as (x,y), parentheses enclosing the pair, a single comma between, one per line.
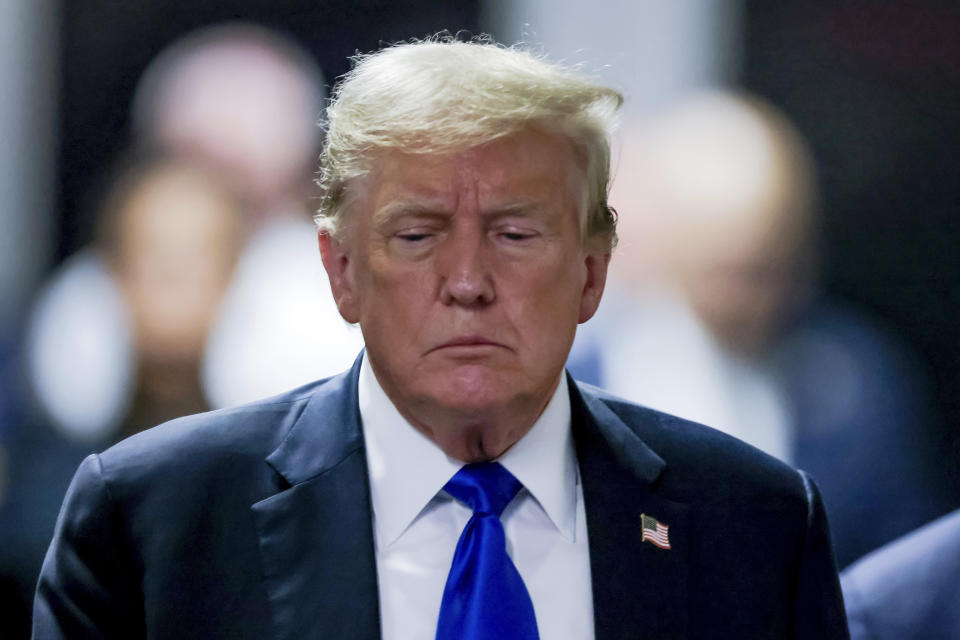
(395,301)
(547,298)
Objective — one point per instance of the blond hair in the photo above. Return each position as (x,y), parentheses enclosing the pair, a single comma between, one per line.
(442,95)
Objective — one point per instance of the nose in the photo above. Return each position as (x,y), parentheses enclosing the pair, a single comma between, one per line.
(466,277)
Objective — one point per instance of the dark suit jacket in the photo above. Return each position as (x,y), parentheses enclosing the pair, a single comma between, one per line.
(909,588)
(255,522)
(854,395)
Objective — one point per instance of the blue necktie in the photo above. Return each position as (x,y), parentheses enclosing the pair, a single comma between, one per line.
(485,598)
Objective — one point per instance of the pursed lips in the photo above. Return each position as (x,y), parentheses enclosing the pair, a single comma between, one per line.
(468,341)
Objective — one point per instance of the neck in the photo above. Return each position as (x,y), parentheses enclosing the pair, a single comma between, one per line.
(474,440)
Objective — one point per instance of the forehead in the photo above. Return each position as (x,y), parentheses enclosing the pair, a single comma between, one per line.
(527,168)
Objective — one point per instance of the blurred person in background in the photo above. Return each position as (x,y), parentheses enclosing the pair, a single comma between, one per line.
(169,236)
(245,101)
(909,588)
(242,102)
(130,316)
(713,314)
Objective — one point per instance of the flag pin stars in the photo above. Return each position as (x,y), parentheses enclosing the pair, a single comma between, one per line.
(654,531)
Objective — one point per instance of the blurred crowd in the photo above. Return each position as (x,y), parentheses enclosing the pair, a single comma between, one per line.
(713,313)
(204,289)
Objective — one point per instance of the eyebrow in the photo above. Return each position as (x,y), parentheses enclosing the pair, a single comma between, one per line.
(399,208)
(427,208)
(515,209)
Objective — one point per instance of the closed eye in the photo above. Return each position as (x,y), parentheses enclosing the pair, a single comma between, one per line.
(413,236)
(515,236)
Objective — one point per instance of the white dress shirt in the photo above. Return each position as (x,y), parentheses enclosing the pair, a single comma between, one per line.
(417,524)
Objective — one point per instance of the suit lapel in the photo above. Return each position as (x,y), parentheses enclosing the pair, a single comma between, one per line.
(639,589)
(316,538)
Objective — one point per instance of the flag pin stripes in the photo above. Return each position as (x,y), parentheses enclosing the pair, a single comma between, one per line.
(654,531)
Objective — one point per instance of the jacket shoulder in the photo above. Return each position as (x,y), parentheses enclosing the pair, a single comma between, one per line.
(751,528)
(705,463)
(924,564)
(194,446)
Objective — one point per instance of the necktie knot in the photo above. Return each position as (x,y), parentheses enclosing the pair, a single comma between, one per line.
(485,487)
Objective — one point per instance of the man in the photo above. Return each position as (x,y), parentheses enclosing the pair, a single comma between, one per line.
(464,227)
(910,587)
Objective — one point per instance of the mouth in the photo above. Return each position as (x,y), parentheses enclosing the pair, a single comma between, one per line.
(468,344)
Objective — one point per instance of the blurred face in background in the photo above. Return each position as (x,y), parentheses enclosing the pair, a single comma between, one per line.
(745,281)
(718,203)
(176,241)
(468,277)
(241,107)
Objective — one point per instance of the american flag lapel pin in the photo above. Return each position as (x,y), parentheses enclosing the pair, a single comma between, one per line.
(654,531)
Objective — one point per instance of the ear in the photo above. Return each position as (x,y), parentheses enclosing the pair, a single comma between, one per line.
(596,270)
(337,261)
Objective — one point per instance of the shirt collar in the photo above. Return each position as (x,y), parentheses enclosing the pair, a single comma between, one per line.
(545,463)
(407,469)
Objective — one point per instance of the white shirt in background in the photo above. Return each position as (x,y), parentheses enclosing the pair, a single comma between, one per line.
(278,326)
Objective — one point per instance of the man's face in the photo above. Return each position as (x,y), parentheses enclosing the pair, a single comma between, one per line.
(467,275)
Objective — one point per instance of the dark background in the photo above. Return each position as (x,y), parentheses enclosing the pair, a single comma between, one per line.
(875,87)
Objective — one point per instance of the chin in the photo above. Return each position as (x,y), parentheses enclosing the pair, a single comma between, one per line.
(472,391)
(477,402)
